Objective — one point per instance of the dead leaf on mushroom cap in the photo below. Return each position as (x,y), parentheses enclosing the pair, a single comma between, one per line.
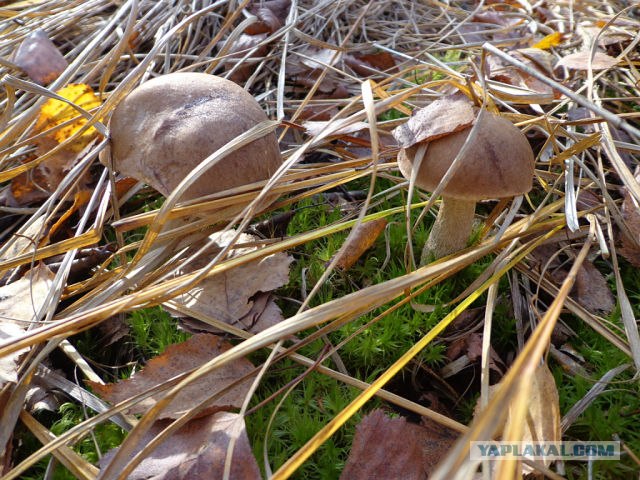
(196,451)
(446,115)
(176,360)
(230,296)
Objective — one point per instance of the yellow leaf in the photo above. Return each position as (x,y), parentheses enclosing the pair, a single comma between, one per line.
(552,40)
(55,112)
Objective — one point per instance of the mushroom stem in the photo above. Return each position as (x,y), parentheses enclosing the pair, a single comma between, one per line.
(451,230)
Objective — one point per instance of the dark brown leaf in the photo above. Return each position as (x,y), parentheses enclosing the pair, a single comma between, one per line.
(592,291)
(386,448)
(197,451)
(271,14)
(178,359)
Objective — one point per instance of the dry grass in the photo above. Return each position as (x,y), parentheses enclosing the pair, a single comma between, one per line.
(113,46)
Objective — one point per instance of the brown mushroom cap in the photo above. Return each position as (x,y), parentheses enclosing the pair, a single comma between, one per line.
(498,163)
(168,125)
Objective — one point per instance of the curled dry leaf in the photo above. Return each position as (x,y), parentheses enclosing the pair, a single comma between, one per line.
(272,14)
(386,447)
(176,360)
(20,302)
(580,61)
(359,241)
(39,58)
(446,115)
(229,296)
(543,411)
(197,451)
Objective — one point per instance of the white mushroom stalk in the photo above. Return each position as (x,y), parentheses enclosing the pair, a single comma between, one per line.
(451,230)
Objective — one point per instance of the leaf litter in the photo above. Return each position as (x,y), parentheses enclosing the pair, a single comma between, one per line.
(314,59)
(176,360)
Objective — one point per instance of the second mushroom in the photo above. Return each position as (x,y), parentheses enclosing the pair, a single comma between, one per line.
(498,162)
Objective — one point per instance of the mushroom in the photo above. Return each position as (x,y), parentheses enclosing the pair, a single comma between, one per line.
(168,125)
(498,163)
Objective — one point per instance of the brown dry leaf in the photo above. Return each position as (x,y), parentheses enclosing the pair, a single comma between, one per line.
(359,241)
(38,183)
(471,346)
(228,296)
(580,61)
(242,45)
(20,302)
(305,70)
(592,291)
(197,451)
(176,360)
(367,64)
(39,58)
(543,414)
(533,57)
(386,448)
(272,14)
(446,115)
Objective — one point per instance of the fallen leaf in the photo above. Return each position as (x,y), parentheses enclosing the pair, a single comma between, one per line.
(542,423)
(359,241)
(446,115)
(39,58)
(176,360)
(592,291)
(39,182)
(271,14)
(367,64)
(56,112)
(228,296)
(28,240)
(387,448)
(196,451)
(469,346)
(535,58)
(552,40)
(20,302)
(236,52)
(580,61)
